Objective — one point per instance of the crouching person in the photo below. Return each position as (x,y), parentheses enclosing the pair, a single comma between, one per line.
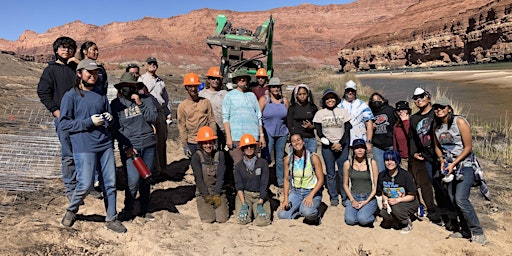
(303,172)
(209,166)
(251,183)
(399,201)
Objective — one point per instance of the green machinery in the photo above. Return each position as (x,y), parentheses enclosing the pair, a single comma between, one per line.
(237,41)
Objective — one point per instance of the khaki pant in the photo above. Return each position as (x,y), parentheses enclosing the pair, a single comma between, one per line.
(208,214)
(251,199)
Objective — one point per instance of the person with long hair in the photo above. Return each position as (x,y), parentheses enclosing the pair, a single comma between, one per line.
(454,149)
(384,119)
(86,114)
(304,178)
(401,132)
(89,50)
(360,175)
(274,108)
(300,116)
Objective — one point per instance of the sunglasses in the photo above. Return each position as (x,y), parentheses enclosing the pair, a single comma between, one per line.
(421,96)
(438,107)
(248,146)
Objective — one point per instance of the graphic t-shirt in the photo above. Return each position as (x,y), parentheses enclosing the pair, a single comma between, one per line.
(400,185)
(333,122)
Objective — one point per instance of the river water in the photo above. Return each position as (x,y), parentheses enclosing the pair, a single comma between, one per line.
(487,103)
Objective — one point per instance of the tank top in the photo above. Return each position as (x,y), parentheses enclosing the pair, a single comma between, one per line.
(451,142)
(274,118)
(302,174)
(361,181)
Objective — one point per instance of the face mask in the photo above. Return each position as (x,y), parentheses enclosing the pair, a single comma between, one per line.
(377,105)
(127,91)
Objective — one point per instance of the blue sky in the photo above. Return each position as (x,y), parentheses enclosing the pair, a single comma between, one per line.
(40,15)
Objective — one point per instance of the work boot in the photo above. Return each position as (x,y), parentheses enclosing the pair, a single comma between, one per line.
(69,219)
(116,226)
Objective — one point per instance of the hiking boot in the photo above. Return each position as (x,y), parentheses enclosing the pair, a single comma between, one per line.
(407,228)
(479,239)
(95,194)
(148,216)
(115,226)
(69,219)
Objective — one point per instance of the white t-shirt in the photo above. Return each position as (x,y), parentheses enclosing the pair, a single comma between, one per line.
(333,122)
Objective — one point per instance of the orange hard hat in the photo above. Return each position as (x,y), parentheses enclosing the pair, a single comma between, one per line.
(214,72)
(191,79)
(205,133)
(261,72)
(247,140)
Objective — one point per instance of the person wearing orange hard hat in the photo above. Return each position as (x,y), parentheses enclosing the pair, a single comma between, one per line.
(193,112)
(261,87)
(251,184)
(208,165)
(215,94)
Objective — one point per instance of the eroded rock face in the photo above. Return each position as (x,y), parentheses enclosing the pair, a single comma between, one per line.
(304,35)
(434,33)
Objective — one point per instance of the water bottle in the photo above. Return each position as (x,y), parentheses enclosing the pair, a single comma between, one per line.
(142,168)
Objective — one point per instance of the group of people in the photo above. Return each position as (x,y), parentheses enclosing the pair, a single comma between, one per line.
(382,155)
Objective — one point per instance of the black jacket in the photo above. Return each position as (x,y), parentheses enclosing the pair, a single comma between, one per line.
(56,80)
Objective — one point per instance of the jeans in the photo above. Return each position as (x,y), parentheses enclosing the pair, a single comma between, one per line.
(310,144)
(135,182)
(378,155)
(68,164)
(297,207)
(365,215)
(85,166)
(280,144)
(331,160)
(459,191)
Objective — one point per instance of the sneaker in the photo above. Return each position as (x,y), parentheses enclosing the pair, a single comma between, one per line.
(95,194)
(148,216)
(459,235)
(334,202)
(479,239)
(69,219)
(407,228)
(116,226)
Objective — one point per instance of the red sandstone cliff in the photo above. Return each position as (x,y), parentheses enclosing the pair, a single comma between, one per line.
(304,35)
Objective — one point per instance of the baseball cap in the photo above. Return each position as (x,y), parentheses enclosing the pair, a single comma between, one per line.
(351,85)
(151,59)
(87,64)
(358,143)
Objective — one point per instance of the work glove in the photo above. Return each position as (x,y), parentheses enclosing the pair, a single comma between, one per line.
(97,120)
(107,116)
(187,152)
(208,199)
(216,201)
(244,212)
(261,212)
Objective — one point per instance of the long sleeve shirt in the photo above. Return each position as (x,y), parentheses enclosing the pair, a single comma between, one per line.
(400,139)
(156,87)
(252,180)
(193,115)
(55,81)
(206,186)
(243,113)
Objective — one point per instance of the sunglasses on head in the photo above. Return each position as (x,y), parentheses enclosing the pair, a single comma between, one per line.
(421,96)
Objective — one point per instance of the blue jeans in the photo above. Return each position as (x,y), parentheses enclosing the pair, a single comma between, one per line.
(365,215)
(378,155)
(278,144)
(459,191)
(297,208)
(68,164)
(85,165)
(331,160)
(310,144)
(135,182)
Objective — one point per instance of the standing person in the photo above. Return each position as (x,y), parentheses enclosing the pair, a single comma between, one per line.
(209,166)
(454,149)
(361,117)
(333,126)
(134,69)
(401,132)
(133,116)
(251,183)
(193,112)
(261,87)
(156,87)
(360,177)
(241,114)
(86,115)
(304,180)
(384,119)
(89,50)
(215,95)
(274,108)
(300,115)
(422,161)
(57,78)
(398,192)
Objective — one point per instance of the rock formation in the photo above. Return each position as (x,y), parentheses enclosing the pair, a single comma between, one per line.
(434,33)
(306,35)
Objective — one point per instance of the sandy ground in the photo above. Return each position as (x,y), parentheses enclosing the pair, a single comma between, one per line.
(502,78)
(32,226)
